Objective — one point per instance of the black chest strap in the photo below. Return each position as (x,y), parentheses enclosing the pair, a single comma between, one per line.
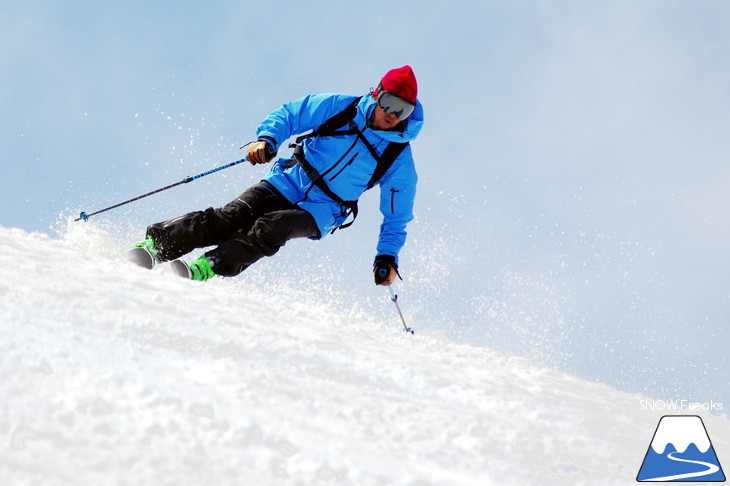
(331,128)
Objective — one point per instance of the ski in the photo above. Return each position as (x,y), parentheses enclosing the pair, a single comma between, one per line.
(142,257)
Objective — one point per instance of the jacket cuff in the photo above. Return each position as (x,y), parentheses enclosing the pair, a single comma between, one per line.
(386,259)
(270,140)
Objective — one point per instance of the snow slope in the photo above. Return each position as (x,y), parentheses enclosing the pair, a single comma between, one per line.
(113,375)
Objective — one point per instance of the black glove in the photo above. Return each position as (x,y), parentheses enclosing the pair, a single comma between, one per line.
(385,270)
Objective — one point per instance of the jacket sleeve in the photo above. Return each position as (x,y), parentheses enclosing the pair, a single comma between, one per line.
(397,194)
(300,116)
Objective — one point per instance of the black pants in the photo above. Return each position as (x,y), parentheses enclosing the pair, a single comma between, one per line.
(254,225)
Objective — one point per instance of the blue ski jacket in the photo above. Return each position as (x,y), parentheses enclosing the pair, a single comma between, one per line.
(345,164)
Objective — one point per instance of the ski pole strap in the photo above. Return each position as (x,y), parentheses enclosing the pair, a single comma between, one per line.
(318,181)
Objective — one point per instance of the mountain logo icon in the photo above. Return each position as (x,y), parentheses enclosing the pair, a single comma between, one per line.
(681,451)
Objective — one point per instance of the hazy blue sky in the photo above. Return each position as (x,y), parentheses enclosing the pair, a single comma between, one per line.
(573,201)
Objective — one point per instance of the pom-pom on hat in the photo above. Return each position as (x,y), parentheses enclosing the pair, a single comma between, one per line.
(401,82)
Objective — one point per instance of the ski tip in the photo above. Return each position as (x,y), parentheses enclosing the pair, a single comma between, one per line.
(181,269)
(141,257)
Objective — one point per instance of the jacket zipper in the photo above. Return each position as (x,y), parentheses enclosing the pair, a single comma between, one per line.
(392,200)
(349,162)
(333,166)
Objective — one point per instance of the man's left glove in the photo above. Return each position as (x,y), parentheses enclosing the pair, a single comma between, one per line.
(385,270)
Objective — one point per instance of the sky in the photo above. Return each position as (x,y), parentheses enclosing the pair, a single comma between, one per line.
(572,204)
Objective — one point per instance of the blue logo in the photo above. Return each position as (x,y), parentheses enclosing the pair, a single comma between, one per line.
(681,451)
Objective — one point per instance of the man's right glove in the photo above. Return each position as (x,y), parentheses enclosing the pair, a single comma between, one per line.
(260,152)
(385,270)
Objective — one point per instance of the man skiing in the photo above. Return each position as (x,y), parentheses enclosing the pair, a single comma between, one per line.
(355,143)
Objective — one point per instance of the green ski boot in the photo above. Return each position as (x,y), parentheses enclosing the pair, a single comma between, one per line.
(200,269)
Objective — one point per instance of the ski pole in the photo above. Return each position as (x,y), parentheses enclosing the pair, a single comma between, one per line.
(86,216)
(394,298)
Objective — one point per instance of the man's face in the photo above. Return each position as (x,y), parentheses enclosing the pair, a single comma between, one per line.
(382,120)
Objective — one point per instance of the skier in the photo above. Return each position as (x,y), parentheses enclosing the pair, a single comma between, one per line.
(355,142)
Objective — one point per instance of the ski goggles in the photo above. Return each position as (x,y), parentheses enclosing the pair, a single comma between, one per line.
(394,105)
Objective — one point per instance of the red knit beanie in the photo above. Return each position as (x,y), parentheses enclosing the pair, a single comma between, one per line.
(401,82)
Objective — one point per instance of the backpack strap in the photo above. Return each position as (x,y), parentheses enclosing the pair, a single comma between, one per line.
(384,160)
(391,152)
(318,181)
(331,127)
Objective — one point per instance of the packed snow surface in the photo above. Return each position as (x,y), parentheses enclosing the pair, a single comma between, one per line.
(114,375)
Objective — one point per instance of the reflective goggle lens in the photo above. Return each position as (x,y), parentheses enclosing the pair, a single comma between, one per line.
(394,105)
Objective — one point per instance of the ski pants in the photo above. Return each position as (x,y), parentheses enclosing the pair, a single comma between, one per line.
(254,225)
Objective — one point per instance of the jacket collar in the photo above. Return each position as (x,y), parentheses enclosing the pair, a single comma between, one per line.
(412,126)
